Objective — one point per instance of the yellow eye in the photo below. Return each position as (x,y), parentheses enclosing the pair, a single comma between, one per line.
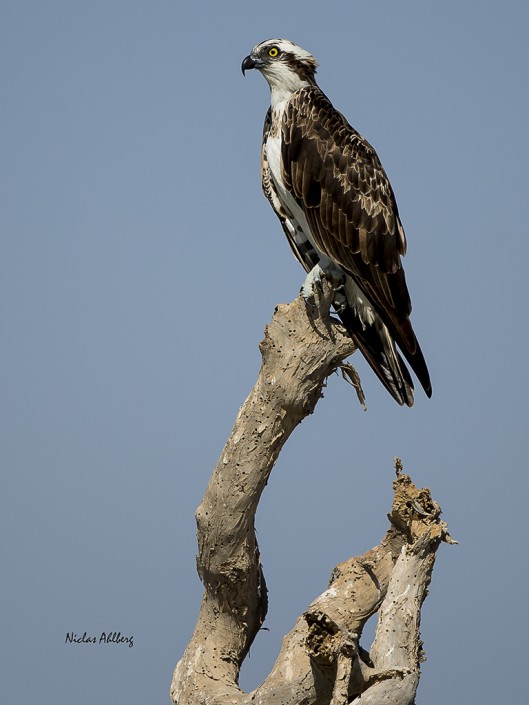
(273,52)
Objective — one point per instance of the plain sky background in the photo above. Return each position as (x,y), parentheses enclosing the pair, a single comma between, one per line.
(139,265)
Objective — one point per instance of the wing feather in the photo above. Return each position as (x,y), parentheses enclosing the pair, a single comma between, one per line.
(337,179)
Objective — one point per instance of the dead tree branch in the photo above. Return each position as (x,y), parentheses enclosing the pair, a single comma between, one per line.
(320,659)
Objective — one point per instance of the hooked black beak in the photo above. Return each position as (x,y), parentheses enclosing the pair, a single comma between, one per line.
(248,63)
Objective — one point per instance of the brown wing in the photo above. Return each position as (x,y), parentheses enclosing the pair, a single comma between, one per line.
(337,179)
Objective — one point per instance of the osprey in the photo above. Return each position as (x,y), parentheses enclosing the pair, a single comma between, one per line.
(327,186)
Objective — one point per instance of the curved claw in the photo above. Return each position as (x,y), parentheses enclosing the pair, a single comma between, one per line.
(310,304)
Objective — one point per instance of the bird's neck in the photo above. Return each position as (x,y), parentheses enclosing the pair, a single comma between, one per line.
(282,86)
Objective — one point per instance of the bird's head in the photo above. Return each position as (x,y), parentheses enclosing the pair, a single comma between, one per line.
(285,65)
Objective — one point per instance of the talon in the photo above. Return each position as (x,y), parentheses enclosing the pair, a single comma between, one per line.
(310,304)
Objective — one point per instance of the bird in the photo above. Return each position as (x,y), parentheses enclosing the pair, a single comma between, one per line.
(328,188)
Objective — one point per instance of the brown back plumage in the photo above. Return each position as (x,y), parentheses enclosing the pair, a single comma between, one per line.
(337,179)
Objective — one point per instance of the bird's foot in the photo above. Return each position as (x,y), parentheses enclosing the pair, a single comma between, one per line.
(313,290)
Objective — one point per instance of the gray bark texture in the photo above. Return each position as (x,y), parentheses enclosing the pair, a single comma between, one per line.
(320,660)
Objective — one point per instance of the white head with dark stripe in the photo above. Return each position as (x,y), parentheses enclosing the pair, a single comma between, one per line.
(286,66)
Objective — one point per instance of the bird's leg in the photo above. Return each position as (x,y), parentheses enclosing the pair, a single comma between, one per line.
(312,288)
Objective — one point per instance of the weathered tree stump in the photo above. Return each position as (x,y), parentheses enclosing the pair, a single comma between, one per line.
(320,660)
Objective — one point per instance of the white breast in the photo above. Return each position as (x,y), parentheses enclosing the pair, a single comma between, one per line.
(298,223)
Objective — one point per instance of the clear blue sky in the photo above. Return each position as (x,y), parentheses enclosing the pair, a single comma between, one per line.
(139,266)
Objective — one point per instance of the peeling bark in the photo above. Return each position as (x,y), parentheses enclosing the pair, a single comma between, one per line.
(320,660)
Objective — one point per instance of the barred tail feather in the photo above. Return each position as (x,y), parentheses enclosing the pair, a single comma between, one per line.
(379,350)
